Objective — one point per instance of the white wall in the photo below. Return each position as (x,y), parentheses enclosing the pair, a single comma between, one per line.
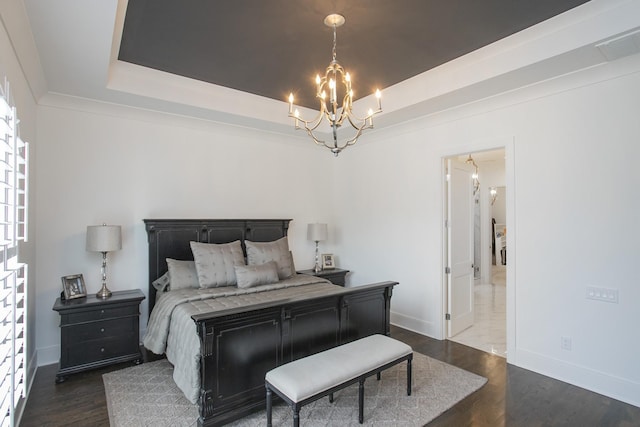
(105,163)
(575,143)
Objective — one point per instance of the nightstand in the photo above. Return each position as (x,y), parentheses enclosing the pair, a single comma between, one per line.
(335,275)
(96,332)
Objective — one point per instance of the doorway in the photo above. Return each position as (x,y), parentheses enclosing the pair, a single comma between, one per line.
(488,329)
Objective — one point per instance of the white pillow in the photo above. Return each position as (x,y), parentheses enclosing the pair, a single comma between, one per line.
(215,263)
(278,251)
(249,276)
(182,274)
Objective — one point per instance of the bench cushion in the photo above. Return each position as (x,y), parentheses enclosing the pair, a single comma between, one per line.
(306,377)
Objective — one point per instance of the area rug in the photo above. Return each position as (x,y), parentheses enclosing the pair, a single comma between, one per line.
(145,395)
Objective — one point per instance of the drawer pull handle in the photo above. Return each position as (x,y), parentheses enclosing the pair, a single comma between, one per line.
(101,329)
(102,350)
(101,311)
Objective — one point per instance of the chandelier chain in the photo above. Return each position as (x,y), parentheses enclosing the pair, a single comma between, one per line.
(334,43)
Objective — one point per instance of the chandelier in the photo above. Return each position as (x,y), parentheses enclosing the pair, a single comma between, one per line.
(335,84)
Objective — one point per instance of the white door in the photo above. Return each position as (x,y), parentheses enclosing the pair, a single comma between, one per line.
(460,247)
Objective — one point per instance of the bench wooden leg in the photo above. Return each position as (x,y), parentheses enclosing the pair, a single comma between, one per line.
(408,377)
(330,397)
(378,376)
(361,401)
(268,407)
(296,416)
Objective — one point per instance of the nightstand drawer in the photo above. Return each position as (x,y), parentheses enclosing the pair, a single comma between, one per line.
(100,314)
(99,330)
(102,349)
(335,278)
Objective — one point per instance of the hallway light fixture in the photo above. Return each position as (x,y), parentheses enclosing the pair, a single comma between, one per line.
(335,84)
(494,194)
(476,182)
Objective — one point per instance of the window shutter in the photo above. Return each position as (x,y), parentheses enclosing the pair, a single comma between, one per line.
(14,154)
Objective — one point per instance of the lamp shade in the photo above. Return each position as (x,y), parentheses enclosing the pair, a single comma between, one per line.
(317,232)
(104,238)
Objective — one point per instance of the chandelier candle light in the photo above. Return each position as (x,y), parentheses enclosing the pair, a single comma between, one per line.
(334,84)
(104,238)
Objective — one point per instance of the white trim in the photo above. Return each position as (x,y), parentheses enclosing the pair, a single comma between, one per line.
(413,324)
(603,383)
(510,182)
(48,355)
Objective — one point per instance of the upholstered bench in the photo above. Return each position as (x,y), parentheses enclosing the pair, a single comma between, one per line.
(313,377)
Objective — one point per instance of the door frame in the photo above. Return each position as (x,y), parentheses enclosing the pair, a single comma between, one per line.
(508,144)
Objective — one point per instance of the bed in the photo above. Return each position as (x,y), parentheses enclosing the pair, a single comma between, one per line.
(223,339)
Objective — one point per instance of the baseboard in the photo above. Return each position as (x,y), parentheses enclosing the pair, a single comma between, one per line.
(599,382)
(414,325)
(31,376)
(48,355)
(31,372)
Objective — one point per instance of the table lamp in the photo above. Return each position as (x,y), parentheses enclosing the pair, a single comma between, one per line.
(317,232)
(104,238)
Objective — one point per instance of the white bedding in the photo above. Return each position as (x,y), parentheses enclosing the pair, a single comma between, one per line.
(172,331)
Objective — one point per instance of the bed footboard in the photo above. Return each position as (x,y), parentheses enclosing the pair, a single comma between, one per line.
(239,346)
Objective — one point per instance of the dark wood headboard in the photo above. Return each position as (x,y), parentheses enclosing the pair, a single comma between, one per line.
(169,238)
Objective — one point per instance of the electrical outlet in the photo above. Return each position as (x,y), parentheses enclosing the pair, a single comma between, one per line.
(602,294)
(565,343)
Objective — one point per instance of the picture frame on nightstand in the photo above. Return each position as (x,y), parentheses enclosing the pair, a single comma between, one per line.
(328,263)
(73,286)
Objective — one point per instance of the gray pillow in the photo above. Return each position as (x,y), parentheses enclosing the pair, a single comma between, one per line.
(249,276)
(215,263)
(182,274)
(161,283)
(278,251)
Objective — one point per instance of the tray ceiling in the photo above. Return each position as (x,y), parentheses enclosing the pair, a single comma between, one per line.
(276,47)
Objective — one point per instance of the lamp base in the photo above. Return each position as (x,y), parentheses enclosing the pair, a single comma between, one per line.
(317,268)
(104,292)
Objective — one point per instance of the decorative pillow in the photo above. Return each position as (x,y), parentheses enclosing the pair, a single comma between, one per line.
(215,263)
(249,276)
(293,265)
(161,283)
(278,251)
(182,274)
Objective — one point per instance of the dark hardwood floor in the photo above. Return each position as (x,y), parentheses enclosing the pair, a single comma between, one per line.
(512,397)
